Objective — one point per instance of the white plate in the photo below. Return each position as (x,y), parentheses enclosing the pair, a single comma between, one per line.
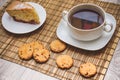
(20,28)
(63,34)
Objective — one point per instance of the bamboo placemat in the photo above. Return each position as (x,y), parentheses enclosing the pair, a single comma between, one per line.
(9,43)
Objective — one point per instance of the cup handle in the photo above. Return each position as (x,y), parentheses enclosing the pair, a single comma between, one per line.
(108,25)
(64,13)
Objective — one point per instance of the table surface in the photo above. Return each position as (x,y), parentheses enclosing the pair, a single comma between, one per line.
(12,71)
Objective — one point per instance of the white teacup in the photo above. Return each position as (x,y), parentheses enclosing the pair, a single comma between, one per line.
(89,34)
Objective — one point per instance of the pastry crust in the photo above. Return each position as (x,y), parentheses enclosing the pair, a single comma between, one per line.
(18,6)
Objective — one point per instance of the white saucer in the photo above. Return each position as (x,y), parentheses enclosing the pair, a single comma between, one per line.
(63,34)
(20,28)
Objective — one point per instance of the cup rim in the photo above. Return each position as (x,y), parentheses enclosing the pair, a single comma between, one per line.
(91,4)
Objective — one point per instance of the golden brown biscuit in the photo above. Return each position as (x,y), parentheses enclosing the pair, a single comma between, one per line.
(57,46)
(64,61)
(41,55)
(88,69)
(37,45)
(25,51)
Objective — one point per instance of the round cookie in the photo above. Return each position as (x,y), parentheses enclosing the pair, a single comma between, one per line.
(88,69)
(25,51)
(57,46)
(64,61)
(37,46)
(41,55)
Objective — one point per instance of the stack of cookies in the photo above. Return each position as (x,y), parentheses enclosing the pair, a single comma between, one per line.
(35,50)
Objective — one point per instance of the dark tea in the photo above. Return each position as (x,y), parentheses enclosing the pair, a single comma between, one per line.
(86,19)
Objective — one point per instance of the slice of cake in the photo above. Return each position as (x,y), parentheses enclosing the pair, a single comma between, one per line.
(23,12)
